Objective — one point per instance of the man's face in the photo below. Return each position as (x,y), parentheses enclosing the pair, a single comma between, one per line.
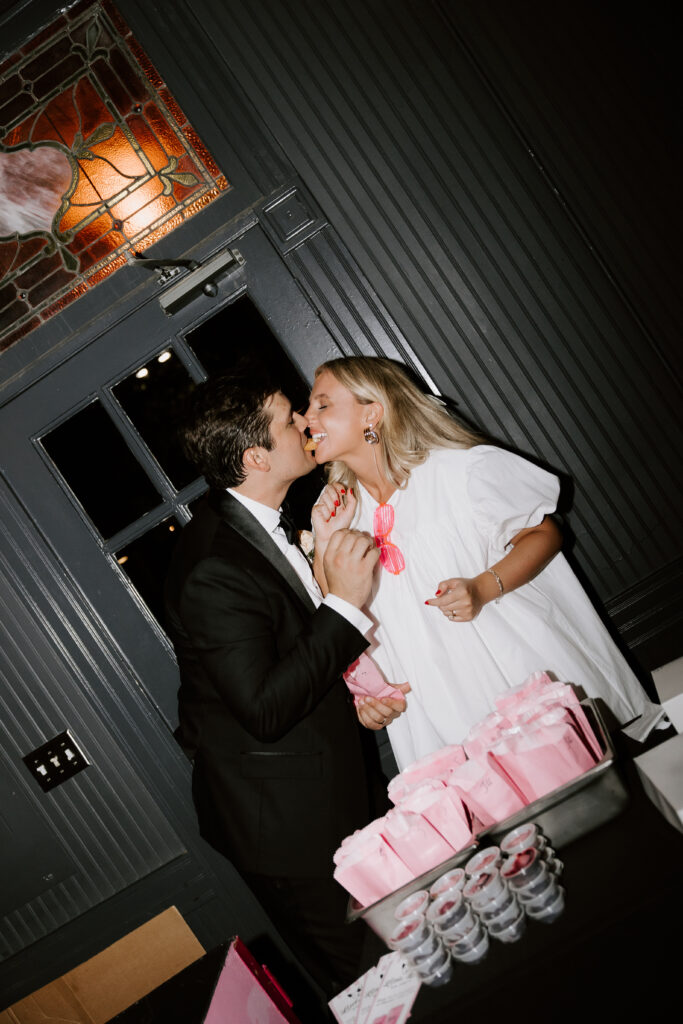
(287,458)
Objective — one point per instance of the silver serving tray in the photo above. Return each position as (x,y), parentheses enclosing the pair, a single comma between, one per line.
(565,814)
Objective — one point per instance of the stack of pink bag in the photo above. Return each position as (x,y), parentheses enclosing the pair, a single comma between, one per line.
(536,740)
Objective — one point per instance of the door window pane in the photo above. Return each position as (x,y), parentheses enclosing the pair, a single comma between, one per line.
(153,398)
(145,562)
(99,468)
(238,334)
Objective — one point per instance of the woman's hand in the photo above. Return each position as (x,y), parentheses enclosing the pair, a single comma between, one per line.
(333,511)
(376,714)
(459,599)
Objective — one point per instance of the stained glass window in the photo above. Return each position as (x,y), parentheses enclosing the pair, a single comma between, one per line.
(96,158)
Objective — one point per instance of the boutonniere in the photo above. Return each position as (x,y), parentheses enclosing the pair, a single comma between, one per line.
(307,544)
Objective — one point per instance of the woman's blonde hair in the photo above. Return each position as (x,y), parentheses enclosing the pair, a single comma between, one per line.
(413,423)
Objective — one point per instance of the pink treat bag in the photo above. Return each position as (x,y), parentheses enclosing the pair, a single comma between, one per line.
(372,870)
(486,794)
(416,842)
(443,809)
(540,759)
(364,679)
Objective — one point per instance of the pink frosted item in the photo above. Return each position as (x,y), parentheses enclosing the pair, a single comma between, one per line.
(443,809)
(398,790)
(371,871)
(374,828)
(415,841)
(364,679)
(485,793)
(540,760)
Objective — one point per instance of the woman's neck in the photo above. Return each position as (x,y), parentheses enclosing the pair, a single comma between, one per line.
(366,467)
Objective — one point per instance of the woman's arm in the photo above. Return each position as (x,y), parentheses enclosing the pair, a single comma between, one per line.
(462,599)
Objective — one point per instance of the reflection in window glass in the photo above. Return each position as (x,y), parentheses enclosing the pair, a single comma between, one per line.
(153,398)
(145,561)
(95,461)
(238,336)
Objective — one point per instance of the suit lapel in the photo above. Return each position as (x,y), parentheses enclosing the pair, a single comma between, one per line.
(241,521)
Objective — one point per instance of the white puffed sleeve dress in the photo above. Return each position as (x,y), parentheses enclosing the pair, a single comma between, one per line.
(455,518)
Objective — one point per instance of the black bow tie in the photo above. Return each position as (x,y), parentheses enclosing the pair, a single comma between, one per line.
(288,525)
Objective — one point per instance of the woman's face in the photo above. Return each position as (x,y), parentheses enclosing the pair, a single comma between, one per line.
(336,419)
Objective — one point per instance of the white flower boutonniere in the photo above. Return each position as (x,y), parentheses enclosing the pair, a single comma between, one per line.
(307,542)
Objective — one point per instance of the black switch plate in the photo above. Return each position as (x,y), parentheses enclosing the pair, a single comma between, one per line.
(56,761)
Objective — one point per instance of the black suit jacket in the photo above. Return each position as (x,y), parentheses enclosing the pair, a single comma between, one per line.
(282,771)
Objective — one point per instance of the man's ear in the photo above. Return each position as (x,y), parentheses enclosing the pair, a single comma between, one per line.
(373,414)
(255,460)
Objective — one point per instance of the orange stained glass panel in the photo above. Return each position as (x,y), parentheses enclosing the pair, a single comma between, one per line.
(134,160)
(137,199)
(118,151)
(163,131)
(148,141)
(90,233)
(147,215)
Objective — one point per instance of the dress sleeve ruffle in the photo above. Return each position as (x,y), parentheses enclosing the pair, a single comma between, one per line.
(507,494)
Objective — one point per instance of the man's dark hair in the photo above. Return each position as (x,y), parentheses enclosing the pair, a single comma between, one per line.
(225,416)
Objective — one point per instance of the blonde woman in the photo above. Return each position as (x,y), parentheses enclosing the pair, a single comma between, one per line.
(472,593)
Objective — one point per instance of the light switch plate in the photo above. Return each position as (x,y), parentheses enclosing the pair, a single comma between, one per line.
(56,761)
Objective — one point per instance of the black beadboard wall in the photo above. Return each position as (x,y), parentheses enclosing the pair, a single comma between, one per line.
(422,131)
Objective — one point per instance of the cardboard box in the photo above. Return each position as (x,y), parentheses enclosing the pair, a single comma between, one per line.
(119,976)
(661,773)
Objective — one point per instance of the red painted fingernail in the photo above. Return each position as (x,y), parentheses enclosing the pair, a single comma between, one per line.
(334,512)
(426,602)
(343,490)
(350,490)
(336,501)
(437,593)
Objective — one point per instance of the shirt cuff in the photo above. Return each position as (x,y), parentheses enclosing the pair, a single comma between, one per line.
(352,614)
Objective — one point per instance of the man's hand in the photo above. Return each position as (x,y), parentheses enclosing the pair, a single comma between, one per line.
(348,564)
(376,714)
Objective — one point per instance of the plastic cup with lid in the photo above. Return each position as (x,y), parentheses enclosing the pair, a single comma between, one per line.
(484,887)
(447,910)
(484,860)
(454,879)
(440,975)
(426,964)
(409,935)
(524,869)
(549,909)
(508,930)
(460,927)
(473,948)
(501,910)
(412,906)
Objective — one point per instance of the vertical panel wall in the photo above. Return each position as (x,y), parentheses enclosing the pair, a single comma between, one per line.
(398,119)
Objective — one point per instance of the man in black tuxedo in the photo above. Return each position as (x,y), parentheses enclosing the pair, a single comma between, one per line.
(282,770)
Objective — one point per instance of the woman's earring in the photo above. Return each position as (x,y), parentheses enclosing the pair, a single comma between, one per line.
(370,434)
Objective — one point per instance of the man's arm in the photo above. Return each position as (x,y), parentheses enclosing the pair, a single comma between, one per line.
(238,632)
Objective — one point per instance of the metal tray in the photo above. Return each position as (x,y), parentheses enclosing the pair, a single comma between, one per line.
(565,814)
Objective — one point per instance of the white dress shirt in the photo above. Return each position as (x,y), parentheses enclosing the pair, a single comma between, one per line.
(269,518)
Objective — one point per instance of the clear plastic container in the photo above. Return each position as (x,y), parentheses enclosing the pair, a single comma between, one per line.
(427,965)
(501,911)
(522,838)
(508,931)
(409,935)
(484,887)
(460,928)
(447,910)
(454,879)
(484,860)
(550,909)
(475,953)
(440,976)
(413,906)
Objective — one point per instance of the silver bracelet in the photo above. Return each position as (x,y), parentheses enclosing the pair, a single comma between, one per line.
(499,582)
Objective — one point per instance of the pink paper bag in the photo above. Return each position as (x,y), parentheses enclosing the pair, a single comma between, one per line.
(485,793)
(371,871)
(443,809)
(364,679)
(415,841)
